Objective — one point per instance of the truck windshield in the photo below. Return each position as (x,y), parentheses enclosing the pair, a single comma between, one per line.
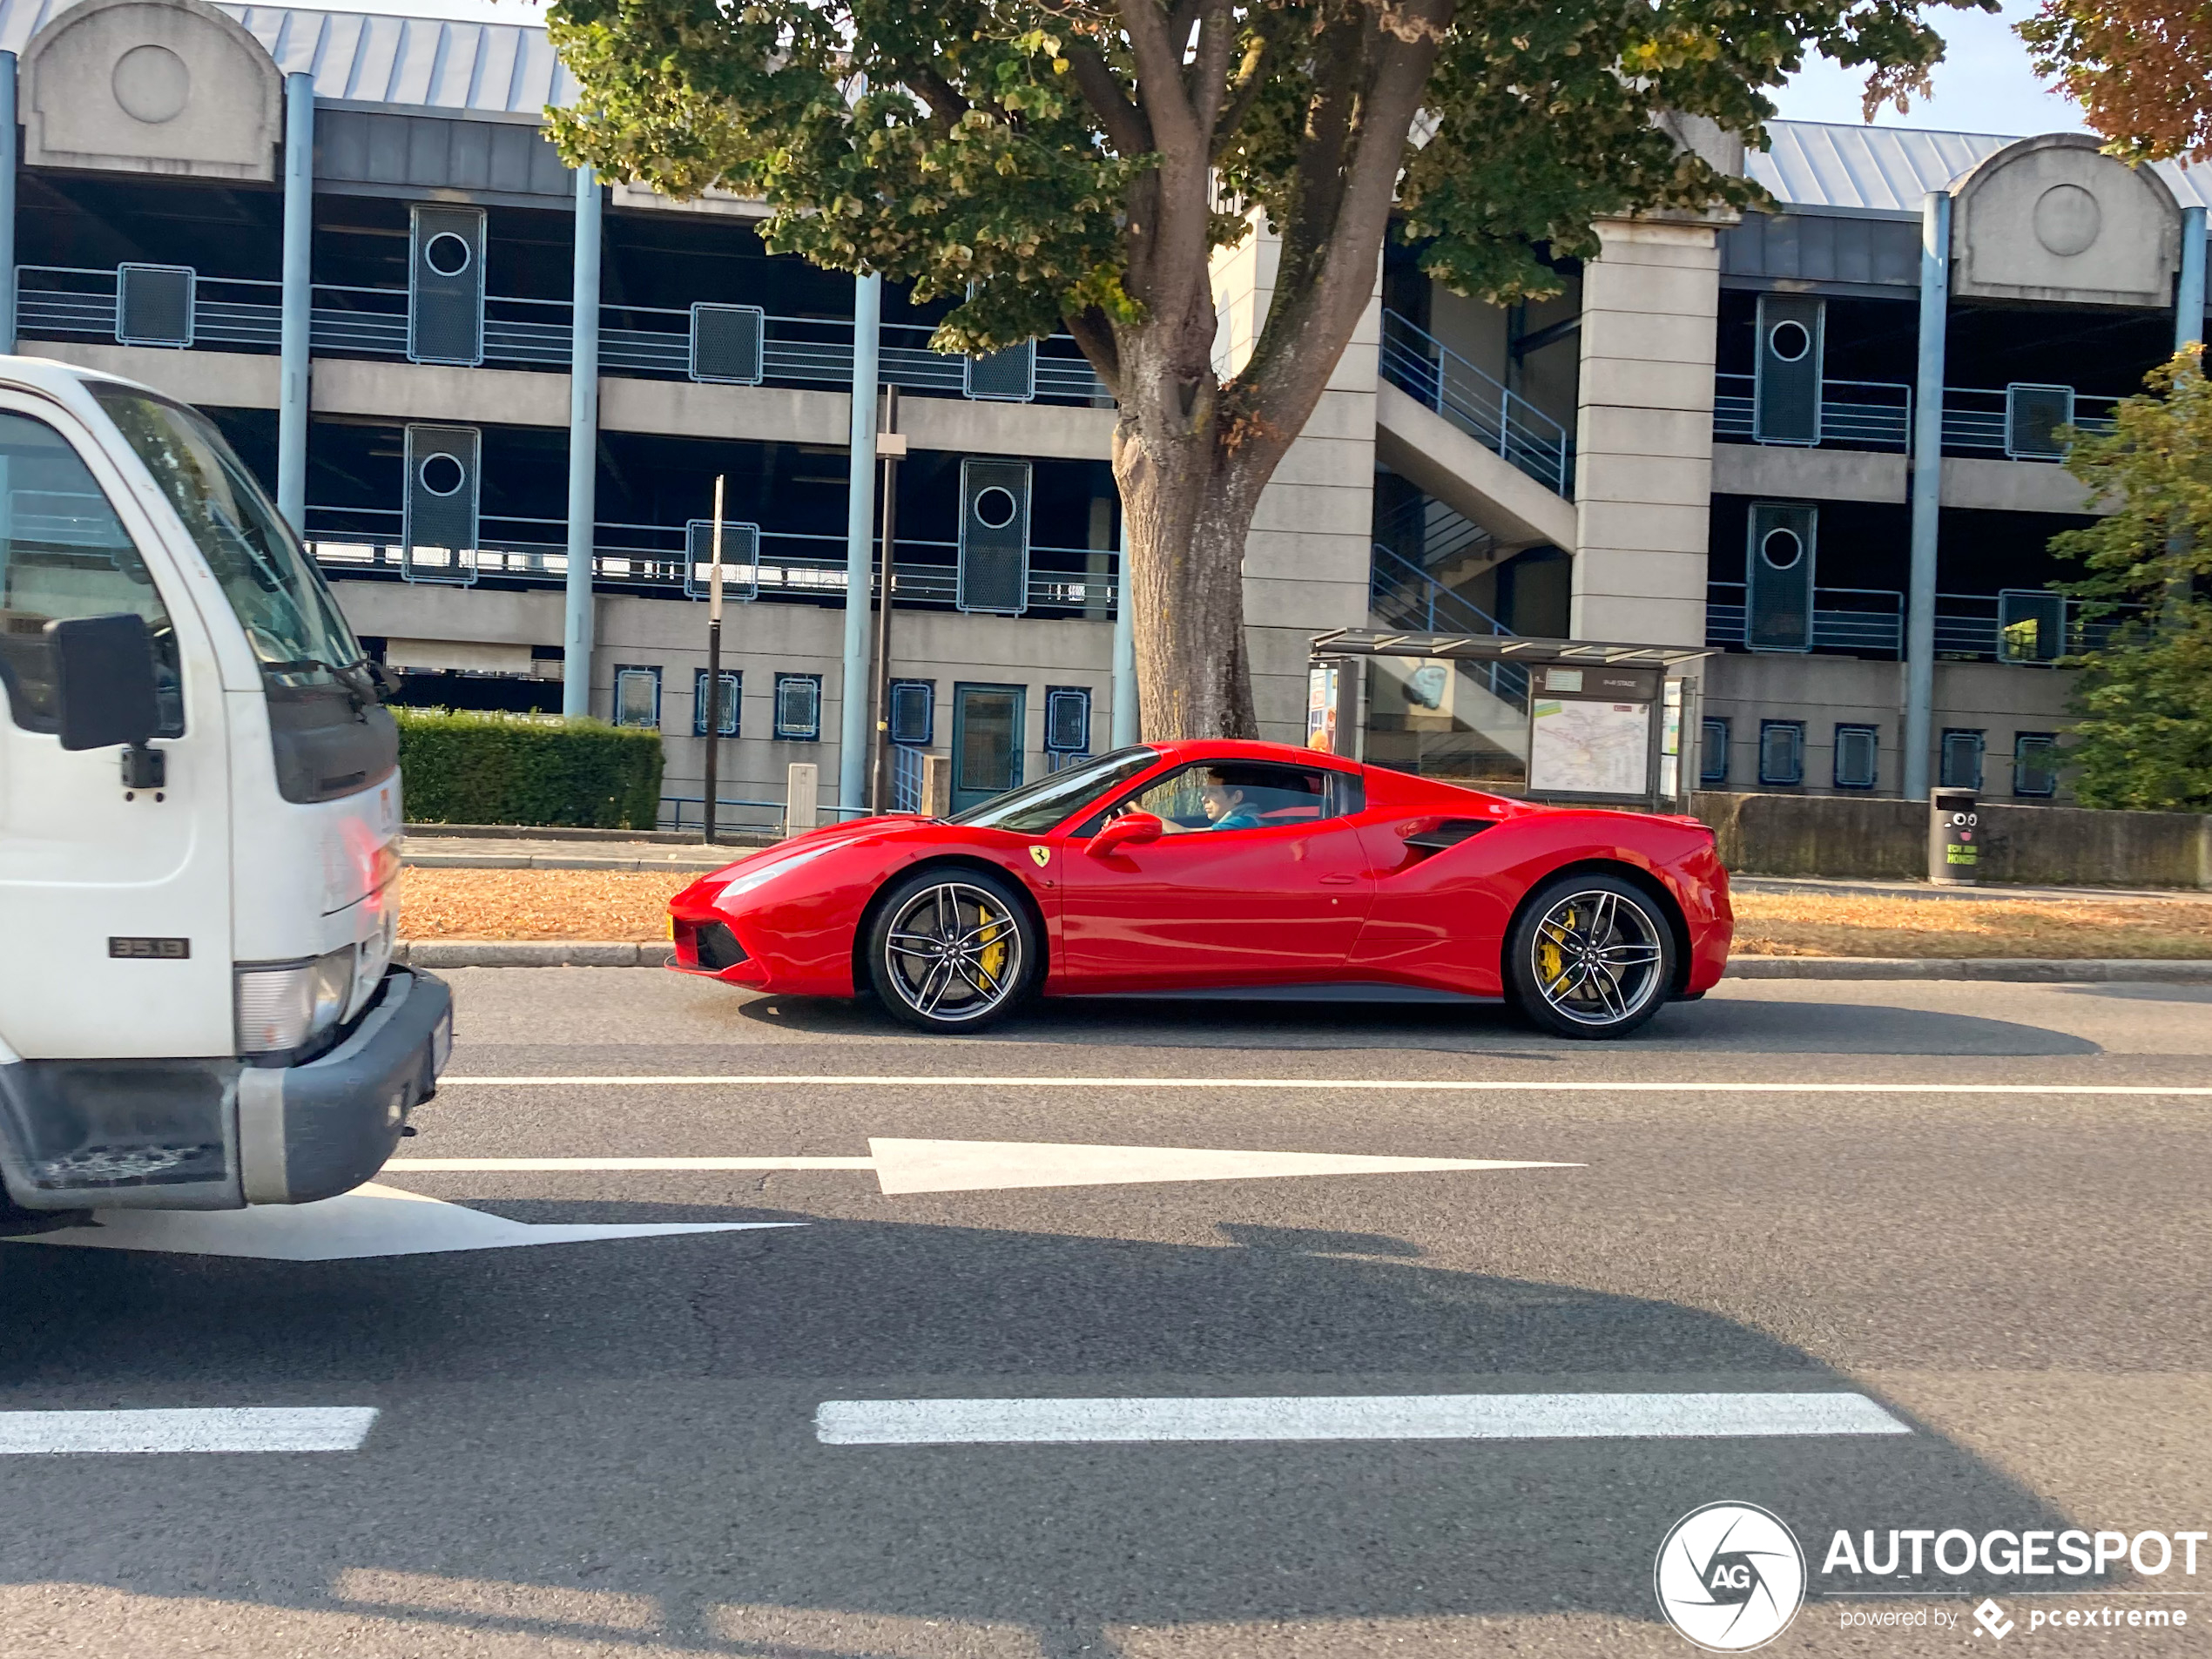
(279,596)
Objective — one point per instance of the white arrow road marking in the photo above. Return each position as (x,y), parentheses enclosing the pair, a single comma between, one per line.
(1461,1085)
(287,1428)
(903,1166)
(1352,1417)
(369,1221)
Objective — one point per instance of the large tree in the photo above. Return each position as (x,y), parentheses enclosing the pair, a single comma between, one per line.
(2144,739)
(1076,165)
(2141,71)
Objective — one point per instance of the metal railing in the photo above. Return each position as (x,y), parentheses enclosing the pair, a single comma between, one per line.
(1440,534)
(365,542)
(1969,627)
(1866,622)
(1501,420)
(906,777)
(1402,595)
(1974,420)
(1863,414)
(347,320)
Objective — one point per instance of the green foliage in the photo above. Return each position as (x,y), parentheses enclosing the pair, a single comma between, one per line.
(467,767)
(991,145)
(2144,694)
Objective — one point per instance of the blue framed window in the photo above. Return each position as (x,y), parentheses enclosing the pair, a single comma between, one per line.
(914,713)
(1858,756)
(1961,759)
(733,696)
(1781,753)
(1066,719)
(1712,752)
(2035,764)
(799,708)
(637,696)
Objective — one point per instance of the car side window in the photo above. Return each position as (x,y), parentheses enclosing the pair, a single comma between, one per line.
(1217,796)
(64,553)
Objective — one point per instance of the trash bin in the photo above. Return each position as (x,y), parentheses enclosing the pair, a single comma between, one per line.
(1954,838)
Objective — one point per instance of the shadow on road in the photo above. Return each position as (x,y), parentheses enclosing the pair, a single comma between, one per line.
(631,1424)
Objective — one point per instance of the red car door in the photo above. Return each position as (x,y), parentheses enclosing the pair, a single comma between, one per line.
(1275,895)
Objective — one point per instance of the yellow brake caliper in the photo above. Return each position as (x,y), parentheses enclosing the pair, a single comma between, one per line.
(992,960)
(1551,961)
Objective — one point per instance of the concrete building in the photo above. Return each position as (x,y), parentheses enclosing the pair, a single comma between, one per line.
(345,236)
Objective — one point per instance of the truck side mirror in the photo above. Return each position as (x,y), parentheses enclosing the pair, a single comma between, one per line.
(103,689)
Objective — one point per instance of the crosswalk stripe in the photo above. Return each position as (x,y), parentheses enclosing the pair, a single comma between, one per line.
(234,1428)
(1349,1417)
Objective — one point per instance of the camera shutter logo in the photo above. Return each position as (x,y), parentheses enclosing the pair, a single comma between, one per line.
(1729,1577)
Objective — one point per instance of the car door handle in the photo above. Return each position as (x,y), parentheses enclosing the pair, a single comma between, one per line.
(1338,881)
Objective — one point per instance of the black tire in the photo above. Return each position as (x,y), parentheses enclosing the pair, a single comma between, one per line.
(1591,957)
(953,949)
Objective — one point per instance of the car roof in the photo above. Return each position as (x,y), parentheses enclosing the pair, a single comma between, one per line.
(65,383)
(1182,749)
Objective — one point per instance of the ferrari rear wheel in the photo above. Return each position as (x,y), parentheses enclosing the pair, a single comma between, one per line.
(952,950)
(1591,957)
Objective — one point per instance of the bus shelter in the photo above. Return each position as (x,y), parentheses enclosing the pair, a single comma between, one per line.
(1566,720)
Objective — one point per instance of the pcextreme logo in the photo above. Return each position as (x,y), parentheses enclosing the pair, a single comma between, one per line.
(1729,1577)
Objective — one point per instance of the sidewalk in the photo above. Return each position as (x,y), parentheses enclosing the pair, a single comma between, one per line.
(1828,887)
(440,846)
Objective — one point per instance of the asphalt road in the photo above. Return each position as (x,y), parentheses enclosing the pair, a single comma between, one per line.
(610,1446)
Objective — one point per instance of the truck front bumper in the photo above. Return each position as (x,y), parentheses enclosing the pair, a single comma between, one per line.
(214,1135)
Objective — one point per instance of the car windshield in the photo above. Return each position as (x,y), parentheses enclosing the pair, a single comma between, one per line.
(1034,808)
(279,596)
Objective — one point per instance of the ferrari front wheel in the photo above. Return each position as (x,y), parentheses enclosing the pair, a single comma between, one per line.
(952,950)
(1591,957)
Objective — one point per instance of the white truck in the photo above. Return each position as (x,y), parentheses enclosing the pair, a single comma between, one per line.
(199,800)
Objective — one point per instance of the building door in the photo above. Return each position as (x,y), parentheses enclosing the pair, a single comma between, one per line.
(988,722)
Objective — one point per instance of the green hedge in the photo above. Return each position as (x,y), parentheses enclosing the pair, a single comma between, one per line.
(468,767)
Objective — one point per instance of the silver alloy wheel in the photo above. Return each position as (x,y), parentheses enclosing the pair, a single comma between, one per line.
(1597,957)
(953,953)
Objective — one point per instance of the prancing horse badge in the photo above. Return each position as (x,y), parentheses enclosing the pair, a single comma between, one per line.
(1042,854)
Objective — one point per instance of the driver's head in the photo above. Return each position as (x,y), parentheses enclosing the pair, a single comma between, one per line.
(1218,796)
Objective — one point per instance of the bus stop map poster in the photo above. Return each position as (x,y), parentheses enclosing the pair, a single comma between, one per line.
(1588,748)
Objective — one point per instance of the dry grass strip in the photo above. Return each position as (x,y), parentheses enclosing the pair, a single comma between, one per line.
(596,904)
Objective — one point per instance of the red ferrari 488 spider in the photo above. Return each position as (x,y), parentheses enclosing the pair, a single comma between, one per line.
(1227,870)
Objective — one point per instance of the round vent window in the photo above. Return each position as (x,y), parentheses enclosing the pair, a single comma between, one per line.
(442,474)
(1788,341)
(1781,549)
(994,508)
(446,253)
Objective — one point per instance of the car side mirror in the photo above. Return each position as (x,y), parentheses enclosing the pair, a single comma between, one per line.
(103,689)
(1131,829)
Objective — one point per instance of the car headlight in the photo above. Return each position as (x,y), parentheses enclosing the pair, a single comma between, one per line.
(284,1006)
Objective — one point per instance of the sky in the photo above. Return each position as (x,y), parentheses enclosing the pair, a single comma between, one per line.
(1984,85)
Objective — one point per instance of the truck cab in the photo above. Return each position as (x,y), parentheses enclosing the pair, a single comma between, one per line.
(199,808)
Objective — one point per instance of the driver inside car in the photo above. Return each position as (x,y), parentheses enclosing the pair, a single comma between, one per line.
(1223,802)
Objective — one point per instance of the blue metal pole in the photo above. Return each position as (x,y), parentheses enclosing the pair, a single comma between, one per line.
(1927,494)
(7,203)
(860,547)
(1126,724)
(297,311)
(2189,292)
(583,449)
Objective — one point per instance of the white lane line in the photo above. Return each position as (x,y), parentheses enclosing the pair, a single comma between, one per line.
(281,1428)
(555,1165)
(1349,1417)
(1489,1085)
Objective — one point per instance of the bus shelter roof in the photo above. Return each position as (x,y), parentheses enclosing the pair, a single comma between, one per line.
(1505,648)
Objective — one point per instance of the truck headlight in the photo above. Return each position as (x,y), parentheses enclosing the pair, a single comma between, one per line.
(284,1006)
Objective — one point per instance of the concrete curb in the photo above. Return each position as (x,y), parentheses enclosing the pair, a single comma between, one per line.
(549,861)
(568,953)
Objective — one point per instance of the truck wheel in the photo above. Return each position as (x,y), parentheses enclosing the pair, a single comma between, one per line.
(953,950)
(1591,957)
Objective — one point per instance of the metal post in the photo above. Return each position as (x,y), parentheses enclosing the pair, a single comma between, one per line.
(892,447)
(583,449)
(2189,292)
(713,663)
(296,310)
(860,546)
(8,204)
(1927,494)
(1125,722)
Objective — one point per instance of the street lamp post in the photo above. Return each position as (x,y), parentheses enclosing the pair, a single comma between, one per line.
(713,661)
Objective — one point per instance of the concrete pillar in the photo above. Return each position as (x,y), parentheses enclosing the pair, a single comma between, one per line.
(2189,292)
(860,547)
(296,309)
(1643,464)
(577,631)
(1126,724)
(1917,738)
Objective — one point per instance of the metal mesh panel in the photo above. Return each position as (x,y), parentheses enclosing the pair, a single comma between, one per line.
(1778,570)
(994,537)
(1961,760)
(1066,719)
(1781,752)
(727,343)
(445,312)
(1858,754)
(153,305)
(914,710)
(732,698)
(1008,376)
(1785,406)
(740,559)
(439,529)
(2033,417)
(2031,625)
